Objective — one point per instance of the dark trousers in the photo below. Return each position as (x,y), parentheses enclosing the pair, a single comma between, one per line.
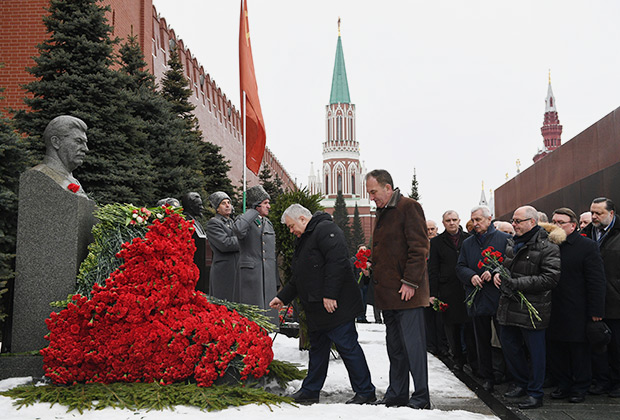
(532,376)
(364,293)
(406,347)
(606,366)
(344,337)
(455,333)
(484,351)
(436,341)
(570,366)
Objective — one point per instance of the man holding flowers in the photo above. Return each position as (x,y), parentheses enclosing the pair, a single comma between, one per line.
(532,269)
(482,297)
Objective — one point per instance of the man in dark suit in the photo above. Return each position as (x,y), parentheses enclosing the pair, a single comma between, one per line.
(445,286)
(578,299)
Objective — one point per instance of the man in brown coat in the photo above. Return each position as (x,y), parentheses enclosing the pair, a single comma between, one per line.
(399,251)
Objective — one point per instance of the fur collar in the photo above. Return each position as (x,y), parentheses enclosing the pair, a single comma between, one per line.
(556,234)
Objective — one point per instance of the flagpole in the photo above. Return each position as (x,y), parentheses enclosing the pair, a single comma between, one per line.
(244,153)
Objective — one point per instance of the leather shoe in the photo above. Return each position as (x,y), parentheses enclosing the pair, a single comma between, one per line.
(559,394)
(515,392)
(487,386)
(577,398)
(390,402)
(360,399)
(530,402)
(598,390)
(417,407)
(303,397)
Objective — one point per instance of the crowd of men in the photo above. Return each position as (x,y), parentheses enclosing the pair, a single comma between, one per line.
(525,301)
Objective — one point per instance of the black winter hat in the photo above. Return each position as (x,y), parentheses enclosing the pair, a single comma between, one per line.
(599,335)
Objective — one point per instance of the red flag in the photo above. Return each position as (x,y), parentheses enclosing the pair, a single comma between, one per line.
(255,137)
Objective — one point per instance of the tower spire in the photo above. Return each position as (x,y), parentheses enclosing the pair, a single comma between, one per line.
(551,129)
(340,85)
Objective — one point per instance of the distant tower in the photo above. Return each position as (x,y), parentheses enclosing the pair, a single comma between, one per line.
(483,198)
(551,129)
(342,169)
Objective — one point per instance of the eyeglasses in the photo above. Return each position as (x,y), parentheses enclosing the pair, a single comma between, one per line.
(560,222)
(518,221)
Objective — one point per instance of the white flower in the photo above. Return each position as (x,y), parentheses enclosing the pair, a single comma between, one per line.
(140,219)
(160,216)
(135,215)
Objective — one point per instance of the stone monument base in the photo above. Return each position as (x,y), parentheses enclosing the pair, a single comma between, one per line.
(17,366)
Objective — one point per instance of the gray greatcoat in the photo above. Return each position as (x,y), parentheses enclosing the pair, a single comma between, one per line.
(223,279)
(258,269)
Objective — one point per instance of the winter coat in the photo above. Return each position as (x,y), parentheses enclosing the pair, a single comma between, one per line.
(534,271)
(321,269)
(580,294)
(444,284)
(258,269)
(399,251)
(487,298)
(610,251)
(223,278)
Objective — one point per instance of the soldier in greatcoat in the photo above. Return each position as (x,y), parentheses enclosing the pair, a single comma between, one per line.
(258,268)
(223,279)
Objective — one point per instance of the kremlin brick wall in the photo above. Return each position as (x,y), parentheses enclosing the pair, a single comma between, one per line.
(584,168)
(21,29)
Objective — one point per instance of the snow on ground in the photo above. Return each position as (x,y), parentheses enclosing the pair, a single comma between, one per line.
(442,384)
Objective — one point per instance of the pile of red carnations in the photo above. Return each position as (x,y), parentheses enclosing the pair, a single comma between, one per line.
(149,324)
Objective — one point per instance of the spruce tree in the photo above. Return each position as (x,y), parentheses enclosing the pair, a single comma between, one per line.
(341,217)
(211,163)
(173,146)
(74,77)
(13,161)
(273,185)
(357,232)
(414,187)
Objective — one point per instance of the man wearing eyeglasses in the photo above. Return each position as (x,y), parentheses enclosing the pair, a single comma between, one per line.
(533,263)
(578,299)
(605,230)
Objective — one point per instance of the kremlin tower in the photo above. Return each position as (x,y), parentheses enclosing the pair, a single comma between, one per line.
(341,170)
(551,129)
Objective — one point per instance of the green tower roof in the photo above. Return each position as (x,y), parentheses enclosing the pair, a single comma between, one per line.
(340,86)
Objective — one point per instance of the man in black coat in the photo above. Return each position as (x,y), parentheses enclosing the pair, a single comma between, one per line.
(445,286)
(578,299)
(533,262)
(324,282)
(605,230)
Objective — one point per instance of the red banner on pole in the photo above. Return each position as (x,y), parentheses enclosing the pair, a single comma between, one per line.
(255,137)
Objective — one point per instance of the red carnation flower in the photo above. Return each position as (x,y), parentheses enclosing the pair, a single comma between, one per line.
(73,187)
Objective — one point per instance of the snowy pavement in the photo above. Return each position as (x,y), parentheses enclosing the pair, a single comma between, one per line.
(450,397)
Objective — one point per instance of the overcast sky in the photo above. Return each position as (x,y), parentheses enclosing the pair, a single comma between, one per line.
(455,89)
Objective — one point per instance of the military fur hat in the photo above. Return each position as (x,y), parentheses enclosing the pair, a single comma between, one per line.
(217,197)
(256,195)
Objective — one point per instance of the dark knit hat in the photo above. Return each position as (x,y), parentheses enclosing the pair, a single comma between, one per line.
(599,335)
(217,197)
(256,195)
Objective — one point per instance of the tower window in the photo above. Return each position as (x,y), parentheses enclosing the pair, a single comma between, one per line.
(326,184)
(353,184)
(340,183)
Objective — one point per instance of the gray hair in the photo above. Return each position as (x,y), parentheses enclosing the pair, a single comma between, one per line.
(447,212)
(486,212)
(295,211)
